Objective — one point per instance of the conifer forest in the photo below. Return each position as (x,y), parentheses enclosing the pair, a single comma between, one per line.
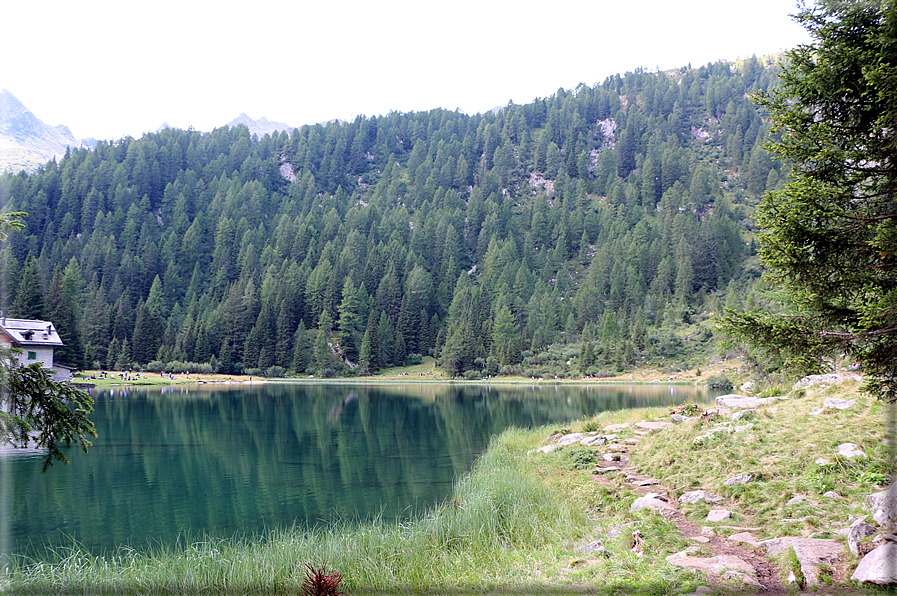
(581,234)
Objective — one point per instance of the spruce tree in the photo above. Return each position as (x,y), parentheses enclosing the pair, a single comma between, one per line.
(829,235)
(29,301)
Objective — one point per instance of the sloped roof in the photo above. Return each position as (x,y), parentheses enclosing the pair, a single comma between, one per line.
(29,332)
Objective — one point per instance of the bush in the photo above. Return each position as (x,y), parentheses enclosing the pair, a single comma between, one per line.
(472,375)
(719,382)
(579,457)
(176,367)
(276,371)
(253,372)
(413,359)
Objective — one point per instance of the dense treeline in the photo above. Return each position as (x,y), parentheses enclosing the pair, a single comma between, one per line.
(576,231)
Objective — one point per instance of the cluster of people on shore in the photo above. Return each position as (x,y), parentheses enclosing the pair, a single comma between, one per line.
(124,376)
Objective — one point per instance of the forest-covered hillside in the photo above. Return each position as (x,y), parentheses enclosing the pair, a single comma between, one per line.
(577,234)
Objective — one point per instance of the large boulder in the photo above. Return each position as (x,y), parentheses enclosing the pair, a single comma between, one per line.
(810,553)
(878,567)
(884,507)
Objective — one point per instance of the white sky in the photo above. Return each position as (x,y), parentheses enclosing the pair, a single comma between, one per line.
(108,68)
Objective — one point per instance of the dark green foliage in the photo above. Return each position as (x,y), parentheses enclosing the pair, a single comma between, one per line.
(466,238)
(719,382)
(39,411)
(829,234)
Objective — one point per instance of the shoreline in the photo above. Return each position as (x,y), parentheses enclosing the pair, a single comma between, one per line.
(567,513)
(695,377)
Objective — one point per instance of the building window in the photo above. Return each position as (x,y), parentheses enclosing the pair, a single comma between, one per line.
(32,355)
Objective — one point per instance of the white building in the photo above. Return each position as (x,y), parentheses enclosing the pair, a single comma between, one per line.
(37,340)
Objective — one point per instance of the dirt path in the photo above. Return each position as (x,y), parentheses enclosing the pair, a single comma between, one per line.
(767,572)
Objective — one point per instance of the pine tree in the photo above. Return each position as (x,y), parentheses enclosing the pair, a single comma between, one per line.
(829,235)
(29,301)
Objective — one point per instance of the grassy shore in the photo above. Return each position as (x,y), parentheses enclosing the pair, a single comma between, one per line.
(425,372)
(515,524)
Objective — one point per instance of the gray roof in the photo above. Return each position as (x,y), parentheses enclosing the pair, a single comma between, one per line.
(29,332)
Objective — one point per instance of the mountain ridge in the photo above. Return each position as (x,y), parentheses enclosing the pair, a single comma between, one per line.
(26,142)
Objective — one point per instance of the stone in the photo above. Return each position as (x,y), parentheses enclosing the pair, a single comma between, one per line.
(717,565)
(878,566)
(744,415)
(745,537)
(611,457)
(810,553)
(571,438)
(776,545)
(743,427)
(884,507)
(830,494)
(545,449)
(736,402)
(597,440)
(821,461)
(718,515)
(798,500)
(617,530)
(654,425)
(769,400)
(615,427)
(838,404)
(816,411)
(701,495)
(594,547)
(700,539)
(747,387)
(740,479)
(829,379)
(655,502)
(850,451)
(679,418)
(858,530)
(646,482)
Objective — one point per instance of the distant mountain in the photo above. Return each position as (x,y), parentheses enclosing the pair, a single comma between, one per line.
(26,143)
(261,127)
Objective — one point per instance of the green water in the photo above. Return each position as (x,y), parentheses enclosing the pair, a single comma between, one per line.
(181,464)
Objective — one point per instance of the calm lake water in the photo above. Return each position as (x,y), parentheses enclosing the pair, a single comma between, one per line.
(178,463)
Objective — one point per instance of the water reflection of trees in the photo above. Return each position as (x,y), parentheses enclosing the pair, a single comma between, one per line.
(268,455)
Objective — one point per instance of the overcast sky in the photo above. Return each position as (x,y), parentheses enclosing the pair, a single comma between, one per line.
(108,68)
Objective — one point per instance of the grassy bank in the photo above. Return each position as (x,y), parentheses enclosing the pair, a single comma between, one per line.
(517,522)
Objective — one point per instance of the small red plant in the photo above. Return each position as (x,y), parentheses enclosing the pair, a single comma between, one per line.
(320,583)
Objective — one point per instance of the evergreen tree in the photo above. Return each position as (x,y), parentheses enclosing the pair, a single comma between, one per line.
(829,234)
(325,359)
(302,350)
(29,301)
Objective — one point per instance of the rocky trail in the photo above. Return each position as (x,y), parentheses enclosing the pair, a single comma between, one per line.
(732,559)
(726,548)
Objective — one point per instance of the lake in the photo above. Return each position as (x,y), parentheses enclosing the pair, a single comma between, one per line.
(183,463)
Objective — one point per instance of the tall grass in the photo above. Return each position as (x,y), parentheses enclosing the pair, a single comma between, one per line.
(499,516)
